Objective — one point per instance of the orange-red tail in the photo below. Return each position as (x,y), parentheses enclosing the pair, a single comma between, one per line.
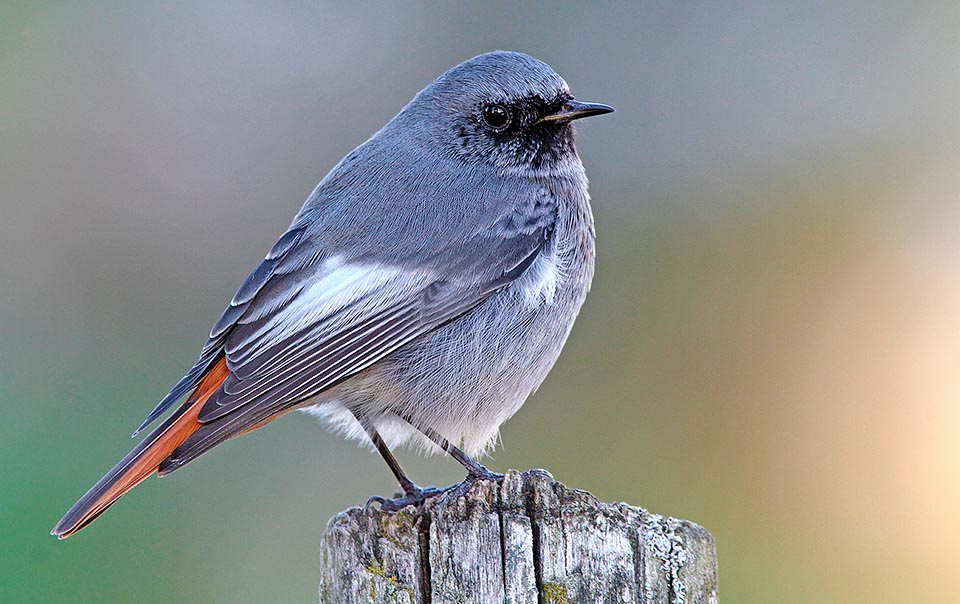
(144,459)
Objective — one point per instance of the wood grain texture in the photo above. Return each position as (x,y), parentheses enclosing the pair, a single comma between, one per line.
(529,540)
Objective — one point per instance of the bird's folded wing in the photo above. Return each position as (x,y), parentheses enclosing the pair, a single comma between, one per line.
(305,320)
(349,318)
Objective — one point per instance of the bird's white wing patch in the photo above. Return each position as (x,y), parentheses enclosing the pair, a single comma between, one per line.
(538,285)
(325,306)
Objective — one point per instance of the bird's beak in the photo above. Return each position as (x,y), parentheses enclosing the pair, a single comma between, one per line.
(574,110)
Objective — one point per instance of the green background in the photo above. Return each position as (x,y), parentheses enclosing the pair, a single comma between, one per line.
(771,347)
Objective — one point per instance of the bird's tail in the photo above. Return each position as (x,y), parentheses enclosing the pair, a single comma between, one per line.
(144,459)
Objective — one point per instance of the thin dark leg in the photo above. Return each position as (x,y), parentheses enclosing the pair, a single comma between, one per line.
(475,470)
(406,484)
(474,467)
(412,494)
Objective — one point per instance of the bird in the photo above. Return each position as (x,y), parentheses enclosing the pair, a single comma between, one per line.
(423,291)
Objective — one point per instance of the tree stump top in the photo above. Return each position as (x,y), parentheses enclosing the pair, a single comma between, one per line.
(527,540)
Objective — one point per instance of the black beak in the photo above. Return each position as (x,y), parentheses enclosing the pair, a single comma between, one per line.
(574,110)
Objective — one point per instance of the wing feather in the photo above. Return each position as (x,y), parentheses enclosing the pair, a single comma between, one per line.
(243,404)
(306,319)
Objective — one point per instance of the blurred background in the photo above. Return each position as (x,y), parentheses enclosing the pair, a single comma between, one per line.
(771,347)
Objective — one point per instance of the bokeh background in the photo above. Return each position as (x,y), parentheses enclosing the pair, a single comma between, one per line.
(771,347)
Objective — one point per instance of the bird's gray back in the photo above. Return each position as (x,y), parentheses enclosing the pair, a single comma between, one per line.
(404,206)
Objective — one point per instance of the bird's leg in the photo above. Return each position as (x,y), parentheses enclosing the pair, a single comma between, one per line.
(406,484)
(475,470)
(412,494)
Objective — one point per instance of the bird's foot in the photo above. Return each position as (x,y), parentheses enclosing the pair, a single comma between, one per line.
(415,497)
(454,492)
(482,473)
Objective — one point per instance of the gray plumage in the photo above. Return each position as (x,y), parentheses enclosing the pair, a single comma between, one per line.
(429,281)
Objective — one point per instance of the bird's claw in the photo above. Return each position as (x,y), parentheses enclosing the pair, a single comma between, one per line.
(418,495)
(482,473)
(415,497)
(454,492)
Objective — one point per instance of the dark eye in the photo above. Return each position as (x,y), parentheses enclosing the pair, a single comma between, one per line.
(496,116)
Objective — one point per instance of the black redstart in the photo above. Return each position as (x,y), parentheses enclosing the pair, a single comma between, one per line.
(422,293)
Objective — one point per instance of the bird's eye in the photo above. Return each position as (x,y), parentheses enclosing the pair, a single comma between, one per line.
(496,117)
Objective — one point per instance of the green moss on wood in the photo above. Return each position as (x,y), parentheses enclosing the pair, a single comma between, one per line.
(555,593)
(398,587)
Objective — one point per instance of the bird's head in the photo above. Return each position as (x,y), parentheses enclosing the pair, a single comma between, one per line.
(505,109)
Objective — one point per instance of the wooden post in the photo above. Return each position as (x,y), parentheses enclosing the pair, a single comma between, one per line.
(527,540)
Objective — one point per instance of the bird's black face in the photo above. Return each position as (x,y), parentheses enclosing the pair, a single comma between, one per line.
(510,135)
(515,136)
(502,109)
(532,131)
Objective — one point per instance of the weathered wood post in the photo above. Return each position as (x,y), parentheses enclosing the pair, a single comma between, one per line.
(527,540)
